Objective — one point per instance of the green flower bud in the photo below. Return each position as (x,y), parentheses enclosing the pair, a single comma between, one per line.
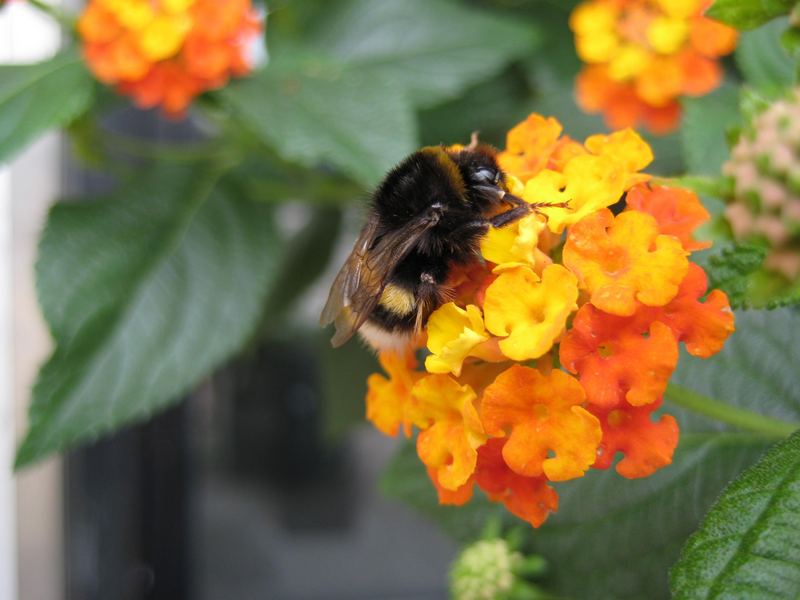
(484,570)
(765,169)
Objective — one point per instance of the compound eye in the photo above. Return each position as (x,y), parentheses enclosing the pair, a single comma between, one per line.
(487,175)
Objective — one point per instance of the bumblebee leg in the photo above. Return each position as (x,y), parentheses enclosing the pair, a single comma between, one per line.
(536,205)
(513,200)
(510,216)
(480,225)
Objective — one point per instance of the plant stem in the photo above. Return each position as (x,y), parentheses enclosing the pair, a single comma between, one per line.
(726,413)
(66,21)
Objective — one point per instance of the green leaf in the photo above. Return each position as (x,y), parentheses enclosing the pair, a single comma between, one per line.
(748,14)
(756,370)
(145,293)
(433,48)
(34,98)
(763,59)
(730,267)
(748,545)
(703,131)
(312,113)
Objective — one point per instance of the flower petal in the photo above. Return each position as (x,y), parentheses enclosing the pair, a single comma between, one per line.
(529,498)
(619,359)
(529,313)
(543,415)
(677,211)
(623,260)
(389,400)
(451,429)
(453,333)
(702,326)
(647,445)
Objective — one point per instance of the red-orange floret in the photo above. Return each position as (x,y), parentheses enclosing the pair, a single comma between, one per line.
(647,445)
(619,359)
(678,211)
(529,498)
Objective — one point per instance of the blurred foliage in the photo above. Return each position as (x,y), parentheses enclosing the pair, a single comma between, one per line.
(36,98)
(184,264)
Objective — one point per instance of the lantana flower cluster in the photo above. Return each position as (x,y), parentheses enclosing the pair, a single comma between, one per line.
(642,55)
(166,52)
(765,169)
(556,350)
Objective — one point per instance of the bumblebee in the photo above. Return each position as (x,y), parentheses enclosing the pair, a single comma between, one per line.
(427,216)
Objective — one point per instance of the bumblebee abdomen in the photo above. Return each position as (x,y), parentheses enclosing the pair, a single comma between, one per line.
(397,300)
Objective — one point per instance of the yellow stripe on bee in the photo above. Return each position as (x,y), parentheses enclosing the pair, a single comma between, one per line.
(449,168)
(397,300)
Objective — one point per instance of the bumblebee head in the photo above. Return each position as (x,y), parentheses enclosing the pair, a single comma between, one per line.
(483,178)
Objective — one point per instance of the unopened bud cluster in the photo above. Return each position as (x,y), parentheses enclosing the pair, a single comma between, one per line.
(765,168)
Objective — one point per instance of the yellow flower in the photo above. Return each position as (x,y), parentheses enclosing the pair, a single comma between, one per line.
(529,313)
(628,62)
(516,245)
(625,146)
(164,36)
(453,334)
(666,34)
(590,182)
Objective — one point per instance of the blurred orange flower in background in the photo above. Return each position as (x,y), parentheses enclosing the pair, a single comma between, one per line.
(166,52)
(642,55)
(521,390)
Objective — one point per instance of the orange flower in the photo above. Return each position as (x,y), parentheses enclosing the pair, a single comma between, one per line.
(388,400)
(619,358)
(166,52)
(623,260)
(543,415)
(647,445)
(677,211)
(596,92)
(529,498)
(529,146)
(457,497)
(702,326)
(451,429)
(642,55)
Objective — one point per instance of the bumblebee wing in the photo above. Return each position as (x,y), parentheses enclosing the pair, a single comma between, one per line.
(361,281)
(349,276)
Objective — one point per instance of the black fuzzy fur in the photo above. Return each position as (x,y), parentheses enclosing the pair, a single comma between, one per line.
(410,189)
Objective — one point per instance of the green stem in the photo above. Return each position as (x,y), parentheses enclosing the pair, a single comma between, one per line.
(66,21)
(726,413)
